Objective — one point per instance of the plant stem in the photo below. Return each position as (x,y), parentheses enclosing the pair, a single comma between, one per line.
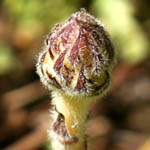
(68,128)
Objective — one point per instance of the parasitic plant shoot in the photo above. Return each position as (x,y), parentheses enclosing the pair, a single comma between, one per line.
(76,66)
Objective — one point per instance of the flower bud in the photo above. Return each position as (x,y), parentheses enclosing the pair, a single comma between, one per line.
(78,57)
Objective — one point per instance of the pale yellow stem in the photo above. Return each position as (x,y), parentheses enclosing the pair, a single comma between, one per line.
(75,112)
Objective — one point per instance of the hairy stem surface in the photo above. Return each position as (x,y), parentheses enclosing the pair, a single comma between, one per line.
(68,128)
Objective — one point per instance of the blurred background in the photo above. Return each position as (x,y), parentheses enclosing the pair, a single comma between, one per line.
(121,121)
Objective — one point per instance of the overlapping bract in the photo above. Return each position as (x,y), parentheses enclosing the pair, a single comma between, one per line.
(78,56)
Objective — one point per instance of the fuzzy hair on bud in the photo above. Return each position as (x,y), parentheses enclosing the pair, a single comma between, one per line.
(77,57)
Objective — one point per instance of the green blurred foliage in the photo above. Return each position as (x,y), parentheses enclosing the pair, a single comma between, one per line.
(36,15)
(8,61)
(130,40)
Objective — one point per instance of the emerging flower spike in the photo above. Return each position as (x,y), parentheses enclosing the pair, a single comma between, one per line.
(76,66)
(78,57)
